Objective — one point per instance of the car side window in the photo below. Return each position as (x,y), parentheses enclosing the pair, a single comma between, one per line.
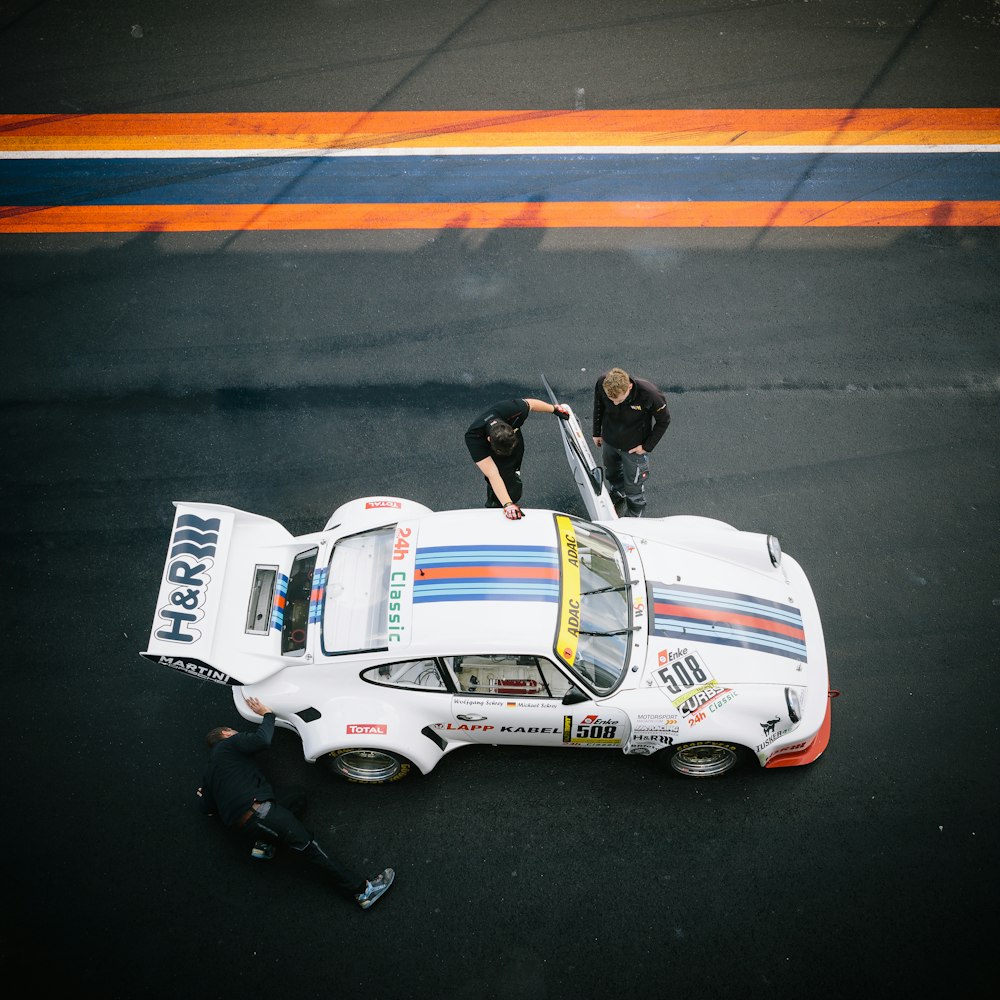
(422,674)
(508,676)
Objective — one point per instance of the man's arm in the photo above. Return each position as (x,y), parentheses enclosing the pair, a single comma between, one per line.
(489,469)
(540,406)
(661,421)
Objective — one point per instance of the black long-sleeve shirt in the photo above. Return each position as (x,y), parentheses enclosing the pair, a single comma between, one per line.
(232,780)
(641,418)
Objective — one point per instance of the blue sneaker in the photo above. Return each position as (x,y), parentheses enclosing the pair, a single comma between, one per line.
(374,888)
(262,850)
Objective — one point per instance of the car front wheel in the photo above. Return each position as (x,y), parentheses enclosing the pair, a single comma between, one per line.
(372,767)
(706,759)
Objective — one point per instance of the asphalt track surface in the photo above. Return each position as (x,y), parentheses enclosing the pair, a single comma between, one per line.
(837,387)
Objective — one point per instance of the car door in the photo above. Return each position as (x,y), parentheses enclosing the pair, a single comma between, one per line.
(522,700)
(589,476)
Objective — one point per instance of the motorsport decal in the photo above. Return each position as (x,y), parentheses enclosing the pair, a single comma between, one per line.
(486,573)
(400,575)
(591,730)
(196,668)
(280,600)
(316,594)
(366,729)
(568,629)
(186,577)
(380,504)
(701,615)
(427,170)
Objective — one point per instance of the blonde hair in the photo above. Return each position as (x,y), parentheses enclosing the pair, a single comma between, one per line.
(616,382)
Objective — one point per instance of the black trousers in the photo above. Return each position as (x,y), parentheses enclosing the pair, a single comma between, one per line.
(278,823)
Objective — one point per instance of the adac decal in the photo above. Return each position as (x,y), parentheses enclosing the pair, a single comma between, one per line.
(400,575)
(486,573)
(189,564)
(717,616)
(366,729)
(382,504)
(591,729)
(568,630)
(196,668)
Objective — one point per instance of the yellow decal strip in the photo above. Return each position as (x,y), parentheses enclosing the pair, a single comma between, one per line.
(568,634)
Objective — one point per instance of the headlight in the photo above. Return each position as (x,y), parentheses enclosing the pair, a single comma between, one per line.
(774,550)
(795,699)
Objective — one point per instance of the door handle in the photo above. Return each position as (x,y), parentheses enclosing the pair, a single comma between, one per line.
(471,718)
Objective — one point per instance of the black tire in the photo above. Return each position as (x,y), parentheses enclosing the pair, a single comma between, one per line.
(368,766)
(704,758)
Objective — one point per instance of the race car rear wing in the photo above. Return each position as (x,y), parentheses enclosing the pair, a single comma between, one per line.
(204,623)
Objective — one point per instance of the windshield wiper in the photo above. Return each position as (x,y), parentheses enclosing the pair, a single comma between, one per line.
(620,631)
(609,590)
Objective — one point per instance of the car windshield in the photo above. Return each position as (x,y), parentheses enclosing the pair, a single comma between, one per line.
(355,604)
(595,614)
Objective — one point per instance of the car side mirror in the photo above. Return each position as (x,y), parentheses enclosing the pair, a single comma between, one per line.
(597,478)
(574,696)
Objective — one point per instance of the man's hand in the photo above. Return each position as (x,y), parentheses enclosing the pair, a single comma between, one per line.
(256,705)
(637,450)
(598,441)
(512,512)
(561,410)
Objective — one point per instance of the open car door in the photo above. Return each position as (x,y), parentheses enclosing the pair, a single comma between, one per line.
(588,474)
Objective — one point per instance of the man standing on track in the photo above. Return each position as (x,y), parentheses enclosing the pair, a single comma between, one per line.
(630,417)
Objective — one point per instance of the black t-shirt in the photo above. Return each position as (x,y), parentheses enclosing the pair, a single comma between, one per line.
(232,780)
(510,411)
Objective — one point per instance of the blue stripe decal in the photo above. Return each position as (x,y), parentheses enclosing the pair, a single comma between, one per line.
(280,591)
(515,178)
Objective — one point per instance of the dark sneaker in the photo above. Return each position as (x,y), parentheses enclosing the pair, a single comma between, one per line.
(374,888)
(262,851)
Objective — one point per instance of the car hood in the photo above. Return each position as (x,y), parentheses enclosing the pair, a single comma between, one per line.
(719,611)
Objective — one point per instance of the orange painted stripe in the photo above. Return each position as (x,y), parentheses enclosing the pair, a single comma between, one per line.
(728,617)
(382,129)
(469,572)
(495,215)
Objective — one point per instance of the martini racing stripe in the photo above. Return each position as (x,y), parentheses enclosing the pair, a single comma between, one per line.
(727,619)
(486,573)
(316,594)
(280,600)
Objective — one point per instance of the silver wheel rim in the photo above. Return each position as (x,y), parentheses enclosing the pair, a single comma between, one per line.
(707,761)
(366,765)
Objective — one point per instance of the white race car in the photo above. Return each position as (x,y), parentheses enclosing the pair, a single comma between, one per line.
(397,634)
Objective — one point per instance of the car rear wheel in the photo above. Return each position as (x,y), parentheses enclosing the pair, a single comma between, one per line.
(372,767)
(705,759)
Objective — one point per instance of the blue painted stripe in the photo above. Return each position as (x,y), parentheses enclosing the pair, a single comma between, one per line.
(533,597)
(502,178)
